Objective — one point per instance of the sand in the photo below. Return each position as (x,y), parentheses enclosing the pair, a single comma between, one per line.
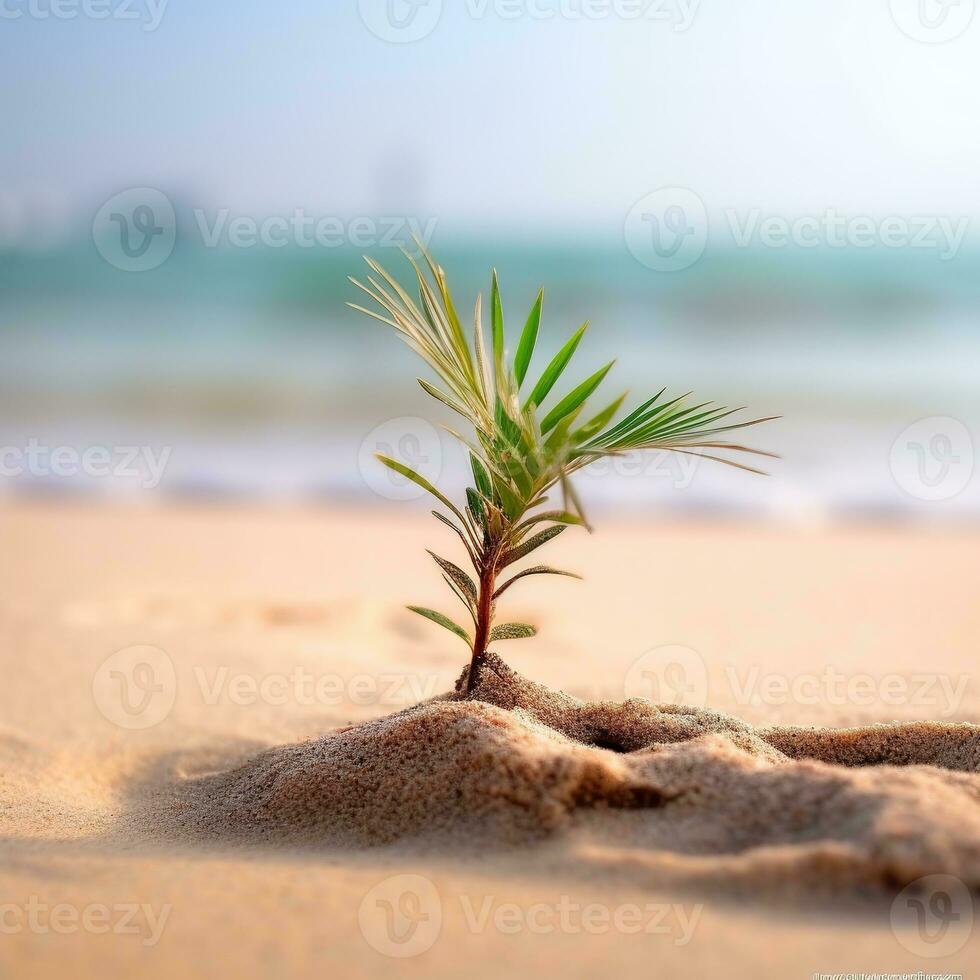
(265,826)
(516,763)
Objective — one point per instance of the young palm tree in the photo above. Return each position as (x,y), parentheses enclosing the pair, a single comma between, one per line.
(519,450)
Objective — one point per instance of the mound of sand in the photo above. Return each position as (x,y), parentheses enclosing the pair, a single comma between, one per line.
(518,762)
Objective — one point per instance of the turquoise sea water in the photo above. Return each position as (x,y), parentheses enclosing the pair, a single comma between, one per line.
(248,365)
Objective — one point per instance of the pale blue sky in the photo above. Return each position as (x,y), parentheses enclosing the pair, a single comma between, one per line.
(523,124)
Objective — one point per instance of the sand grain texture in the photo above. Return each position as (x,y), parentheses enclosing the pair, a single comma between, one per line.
(882,805)
(263,825)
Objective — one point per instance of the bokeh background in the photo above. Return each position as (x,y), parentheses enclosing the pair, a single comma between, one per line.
(624,161)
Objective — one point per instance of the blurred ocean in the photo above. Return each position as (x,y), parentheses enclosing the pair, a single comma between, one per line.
(248,368)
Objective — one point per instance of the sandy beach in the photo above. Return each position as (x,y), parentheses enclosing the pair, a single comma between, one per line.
(278,279)
(155,661)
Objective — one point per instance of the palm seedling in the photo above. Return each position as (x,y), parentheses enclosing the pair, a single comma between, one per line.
(523,444)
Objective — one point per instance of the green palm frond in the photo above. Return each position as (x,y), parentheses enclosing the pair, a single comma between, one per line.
(519,450)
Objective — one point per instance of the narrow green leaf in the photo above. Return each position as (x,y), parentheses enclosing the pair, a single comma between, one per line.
(456,574)
(371,313)
(537,570)
(558,441)
(419,481)
(633,417)
(516,471)
(462,349)
(682,417)
(532,543)
(483,379)
(480,476)
(511,502)
(426,308)
(529,335)
(443,621)
(458,592)
(462,534)
(497,327)
(501,459)
(569,494)
(554,370)
(721,459)
(574,398)
(474,501)
(441,396)
(558,516)
(597,423)
(692,426)
(512,631)
(510,430)
(616,437)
